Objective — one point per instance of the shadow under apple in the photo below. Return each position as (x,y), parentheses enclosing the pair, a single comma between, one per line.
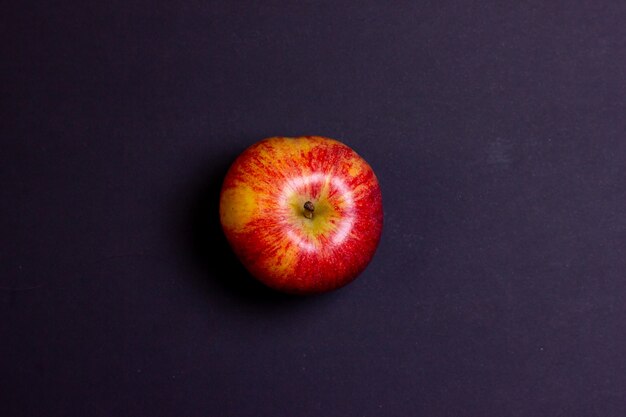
(209,248)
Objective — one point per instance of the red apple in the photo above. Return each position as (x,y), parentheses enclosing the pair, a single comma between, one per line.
(304,215)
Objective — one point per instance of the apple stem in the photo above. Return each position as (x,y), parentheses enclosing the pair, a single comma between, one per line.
(309,208)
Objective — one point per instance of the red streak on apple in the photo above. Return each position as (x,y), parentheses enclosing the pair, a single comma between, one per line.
(304,215)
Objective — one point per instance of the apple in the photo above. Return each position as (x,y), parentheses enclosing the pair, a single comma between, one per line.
(304,215)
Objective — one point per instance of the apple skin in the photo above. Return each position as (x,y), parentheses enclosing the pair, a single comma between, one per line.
(263,214)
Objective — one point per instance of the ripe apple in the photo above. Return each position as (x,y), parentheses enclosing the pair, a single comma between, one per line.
(304,215)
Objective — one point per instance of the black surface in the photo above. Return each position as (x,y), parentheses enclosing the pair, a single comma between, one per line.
(496,131)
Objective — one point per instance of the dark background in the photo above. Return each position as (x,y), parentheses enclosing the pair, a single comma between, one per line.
(497,132)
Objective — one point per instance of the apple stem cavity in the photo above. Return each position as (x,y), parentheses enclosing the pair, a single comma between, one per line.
(309,208)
